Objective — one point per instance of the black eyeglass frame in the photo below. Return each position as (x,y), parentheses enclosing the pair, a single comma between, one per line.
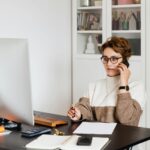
(110,59)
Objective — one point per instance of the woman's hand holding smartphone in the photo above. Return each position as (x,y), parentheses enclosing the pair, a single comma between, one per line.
(124,74)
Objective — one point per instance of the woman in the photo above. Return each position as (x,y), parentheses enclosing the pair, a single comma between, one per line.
(116,98)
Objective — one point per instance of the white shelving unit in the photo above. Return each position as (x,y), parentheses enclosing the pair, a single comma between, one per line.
(90,8)
(90,32)
(127,6)
(88,67)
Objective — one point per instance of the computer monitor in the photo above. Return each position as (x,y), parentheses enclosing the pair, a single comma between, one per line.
(15,89)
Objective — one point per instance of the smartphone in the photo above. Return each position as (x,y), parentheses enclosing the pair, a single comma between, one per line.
(125,61)
(84,140)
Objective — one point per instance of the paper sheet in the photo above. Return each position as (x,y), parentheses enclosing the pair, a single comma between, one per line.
(95,128)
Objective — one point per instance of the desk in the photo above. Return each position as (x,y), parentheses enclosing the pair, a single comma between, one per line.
(122,137)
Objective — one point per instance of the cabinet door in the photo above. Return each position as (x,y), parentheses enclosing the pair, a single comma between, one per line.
(88,24)
(89,32)
(126,22)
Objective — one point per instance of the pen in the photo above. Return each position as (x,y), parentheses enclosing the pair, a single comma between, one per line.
(72,108)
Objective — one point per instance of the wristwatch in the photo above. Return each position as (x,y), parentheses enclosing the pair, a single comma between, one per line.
(124,87)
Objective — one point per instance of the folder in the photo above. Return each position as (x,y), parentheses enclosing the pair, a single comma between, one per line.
(46,121)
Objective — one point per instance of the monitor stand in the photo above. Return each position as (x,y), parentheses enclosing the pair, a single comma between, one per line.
(10,125)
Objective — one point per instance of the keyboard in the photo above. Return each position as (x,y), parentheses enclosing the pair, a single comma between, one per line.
(33,132)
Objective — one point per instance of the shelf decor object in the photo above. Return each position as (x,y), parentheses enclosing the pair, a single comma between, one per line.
(137,1)
(124,2)
(98,3)
(85,3)
(90,46)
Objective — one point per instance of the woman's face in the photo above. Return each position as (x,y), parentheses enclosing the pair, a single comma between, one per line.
(110,60)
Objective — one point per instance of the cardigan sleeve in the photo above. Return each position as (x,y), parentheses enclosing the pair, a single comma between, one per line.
(128,110)
(84,106)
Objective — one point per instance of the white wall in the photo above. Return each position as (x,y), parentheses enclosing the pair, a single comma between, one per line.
(148,65)
(47,26)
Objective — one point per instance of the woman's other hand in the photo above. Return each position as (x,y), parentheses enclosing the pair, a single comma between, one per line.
(74,113)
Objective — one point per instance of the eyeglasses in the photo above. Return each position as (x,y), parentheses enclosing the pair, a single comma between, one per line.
(112,59)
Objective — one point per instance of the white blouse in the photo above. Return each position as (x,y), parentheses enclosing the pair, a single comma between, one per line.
(104,92)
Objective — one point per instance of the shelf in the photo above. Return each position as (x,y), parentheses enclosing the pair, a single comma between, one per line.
(126,6)
(90,8)
(89,31)
(126,31)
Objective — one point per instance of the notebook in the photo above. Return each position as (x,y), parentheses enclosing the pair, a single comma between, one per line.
(49,142)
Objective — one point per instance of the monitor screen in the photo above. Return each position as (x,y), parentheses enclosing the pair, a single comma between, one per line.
(15,89)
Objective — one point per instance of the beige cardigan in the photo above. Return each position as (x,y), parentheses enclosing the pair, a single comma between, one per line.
(103,103)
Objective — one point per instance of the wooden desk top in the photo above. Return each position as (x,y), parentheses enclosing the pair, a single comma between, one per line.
(122,137)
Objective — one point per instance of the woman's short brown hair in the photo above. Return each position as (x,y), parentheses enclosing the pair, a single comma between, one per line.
(119,45)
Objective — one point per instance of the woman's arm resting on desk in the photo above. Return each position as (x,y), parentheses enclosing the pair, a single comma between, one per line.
(84,106)
(128,111)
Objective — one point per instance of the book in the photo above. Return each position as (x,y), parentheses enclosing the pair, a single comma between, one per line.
(49,142)
(46,121)
(88,21)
